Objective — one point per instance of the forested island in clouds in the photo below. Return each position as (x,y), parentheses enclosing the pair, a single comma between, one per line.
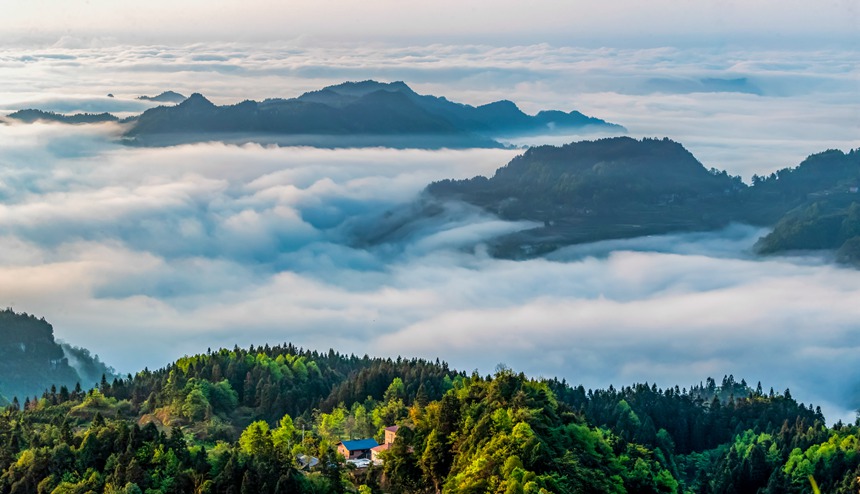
(581,192)
(622,187)
(351,114)
(273,419)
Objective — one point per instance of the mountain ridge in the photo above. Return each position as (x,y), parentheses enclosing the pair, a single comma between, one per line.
(349,114)
(622,187)
(358,108)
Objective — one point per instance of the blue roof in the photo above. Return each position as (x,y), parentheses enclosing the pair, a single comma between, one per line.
(360,444)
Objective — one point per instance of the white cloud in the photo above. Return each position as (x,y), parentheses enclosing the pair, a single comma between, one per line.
(144,254)
(763,109)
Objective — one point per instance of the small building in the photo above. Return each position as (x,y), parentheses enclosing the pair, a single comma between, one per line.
(390,434)
(375,453)
(307,462)
(388,440)
(360,448)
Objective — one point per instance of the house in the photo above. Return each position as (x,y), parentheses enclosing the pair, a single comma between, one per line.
(390,436)
(375,453)
(360,448)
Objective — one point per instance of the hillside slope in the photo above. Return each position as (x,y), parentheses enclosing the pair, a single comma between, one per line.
(249,420)
(622,187)
(31,361)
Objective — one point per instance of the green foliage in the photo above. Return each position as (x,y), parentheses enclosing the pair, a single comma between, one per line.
(506,434)
(256,440)
(331,425)
(818,226)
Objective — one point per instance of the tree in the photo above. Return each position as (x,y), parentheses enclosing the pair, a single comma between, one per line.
(396,390)
(256,440)
(434,460)
(284,438)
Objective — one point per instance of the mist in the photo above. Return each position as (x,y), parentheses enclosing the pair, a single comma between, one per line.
(143,255)
(744,109)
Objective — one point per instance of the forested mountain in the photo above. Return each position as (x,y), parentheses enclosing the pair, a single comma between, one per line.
(31,361)
(499,118)
(352,114)
(622,187)
(247,420)
(830,218)
(608,173)
(366,112)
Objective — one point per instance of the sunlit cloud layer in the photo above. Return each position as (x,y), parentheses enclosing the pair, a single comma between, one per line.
(747,111)
(143,255)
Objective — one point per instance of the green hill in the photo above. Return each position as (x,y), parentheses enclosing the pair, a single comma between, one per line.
(32,361)
(829,215)
(597,190)
(247,420)
(622,187)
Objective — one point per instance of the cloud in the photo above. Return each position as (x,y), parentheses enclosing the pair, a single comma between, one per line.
(145,254)
(745,110)
(142,255)
(71,105)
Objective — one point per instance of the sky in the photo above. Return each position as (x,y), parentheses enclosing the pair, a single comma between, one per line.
(493,21)
(143,255)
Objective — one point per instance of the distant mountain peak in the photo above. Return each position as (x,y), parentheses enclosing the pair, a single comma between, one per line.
(196,100)
(165,97)
(502,103)
(361,88)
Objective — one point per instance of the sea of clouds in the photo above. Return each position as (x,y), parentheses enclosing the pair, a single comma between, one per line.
(142,255)
(736,108)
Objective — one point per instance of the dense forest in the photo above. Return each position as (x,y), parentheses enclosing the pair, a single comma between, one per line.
(269,419)
(622,187)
